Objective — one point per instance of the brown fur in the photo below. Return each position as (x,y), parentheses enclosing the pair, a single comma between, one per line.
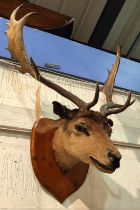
(72,146)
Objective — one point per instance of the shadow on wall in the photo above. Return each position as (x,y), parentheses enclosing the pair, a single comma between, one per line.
(130,126)
(101,191)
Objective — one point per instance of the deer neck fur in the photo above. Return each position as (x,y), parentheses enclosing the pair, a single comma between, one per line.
(64,159)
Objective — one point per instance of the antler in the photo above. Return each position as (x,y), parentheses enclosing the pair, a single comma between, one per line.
(18,51)
(16,44)
(110,107)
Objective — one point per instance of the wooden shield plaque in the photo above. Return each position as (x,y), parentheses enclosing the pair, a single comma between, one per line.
(45,167)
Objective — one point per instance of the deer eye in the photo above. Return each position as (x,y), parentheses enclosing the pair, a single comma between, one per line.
(79,127)
(82,128)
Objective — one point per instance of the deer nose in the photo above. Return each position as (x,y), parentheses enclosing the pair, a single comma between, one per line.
(115,160)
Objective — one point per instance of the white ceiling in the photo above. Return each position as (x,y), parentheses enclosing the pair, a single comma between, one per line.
(87,13)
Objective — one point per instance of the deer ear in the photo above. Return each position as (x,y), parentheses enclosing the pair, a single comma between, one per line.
(110,122)
(61,110)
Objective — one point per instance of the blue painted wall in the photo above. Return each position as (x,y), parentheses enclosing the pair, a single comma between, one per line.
(74,58)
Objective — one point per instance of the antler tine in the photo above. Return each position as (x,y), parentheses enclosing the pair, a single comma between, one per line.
(13,15)
(96,97)
(109,83)
(110,107)
(17,49)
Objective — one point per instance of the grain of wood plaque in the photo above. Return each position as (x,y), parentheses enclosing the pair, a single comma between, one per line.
(60,184)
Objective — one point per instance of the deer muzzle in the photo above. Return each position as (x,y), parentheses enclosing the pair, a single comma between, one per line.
(114,159)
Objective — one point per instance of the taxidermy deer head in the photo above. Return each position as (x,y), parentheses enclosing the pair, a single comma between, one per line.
(82,134)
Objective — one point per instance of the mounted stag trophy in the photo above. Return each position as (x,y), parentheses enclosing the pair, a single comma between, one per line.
(61,150)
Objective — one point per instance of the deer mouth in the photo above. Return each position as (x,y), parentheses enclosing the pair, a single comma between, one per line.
(108,168)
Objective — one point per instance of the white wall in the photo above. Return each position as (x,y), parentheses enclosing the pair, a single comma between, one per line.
(18,185)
